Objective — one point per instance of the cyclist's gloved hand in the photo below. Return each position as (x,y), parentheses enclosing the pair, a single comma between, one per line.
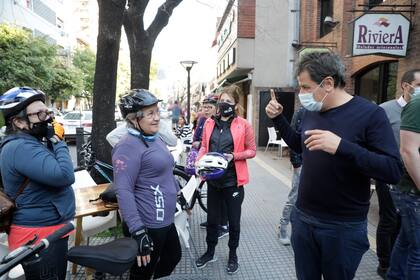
(58,129)
(145,244)
(182,201)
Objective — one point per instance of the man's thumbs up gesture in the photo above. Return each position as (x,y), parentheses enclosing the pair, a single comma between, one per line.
(273,108)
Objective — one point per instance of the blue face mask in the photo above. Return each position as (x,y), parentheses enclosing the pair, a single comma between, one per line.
(416,92)
(308,101)
(147,138)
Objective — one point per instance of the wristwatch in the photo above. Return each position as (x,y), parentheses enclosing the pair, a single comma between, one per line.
(54,139)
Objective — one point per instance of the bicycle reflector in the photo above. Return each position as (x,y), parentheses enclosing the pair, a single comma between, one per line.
(212,166)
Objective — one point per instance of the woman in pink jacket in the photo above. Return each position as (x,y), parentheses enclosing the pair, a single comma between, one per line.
(233,136)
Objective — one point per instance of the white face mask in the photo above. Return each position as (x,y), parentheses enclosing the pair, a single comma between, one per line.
(416,91)
(308,101)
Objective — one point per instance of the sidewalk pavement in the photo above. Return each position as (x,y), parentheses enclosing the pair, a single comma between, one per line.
(261,256)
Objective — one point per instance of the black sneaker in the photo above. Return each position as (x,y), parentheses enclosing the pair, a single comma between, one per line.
(203,225)
(223,231)
(205,259)
(233,265)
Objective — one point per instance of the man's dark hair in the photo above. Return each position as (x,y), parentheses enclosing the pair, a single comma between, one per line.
(408,76)
(320,65)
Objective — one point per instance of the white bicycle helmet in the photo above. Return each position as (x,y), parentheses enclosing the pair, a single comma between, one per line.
(212,166)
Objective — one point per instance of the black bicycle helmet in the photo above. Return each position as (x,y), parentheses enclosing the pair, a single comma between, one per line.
(135,100)
(18,98)
(211,99)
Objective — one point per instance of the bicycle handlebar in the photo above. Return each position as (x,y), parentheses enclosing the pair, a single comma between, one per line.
(58,234)
(15,257)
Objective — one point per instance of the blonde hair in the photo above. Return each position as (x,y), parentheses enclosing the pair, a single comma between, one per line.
(234,92)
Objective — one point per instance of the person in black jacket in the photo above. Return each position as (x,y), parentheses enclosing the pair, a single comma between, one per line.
(296,160)
(345,141)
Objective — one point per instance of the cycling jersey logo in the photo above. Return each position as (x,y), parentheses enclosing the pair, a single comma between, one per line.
(235,194)
(159,203)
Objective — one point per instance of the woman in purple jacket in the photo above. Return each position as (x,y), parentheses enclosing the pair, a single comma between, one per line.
(146,188)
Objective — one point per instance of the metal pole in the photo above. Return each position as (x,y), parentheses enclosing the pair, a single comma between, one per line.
(80,139)
(188,96)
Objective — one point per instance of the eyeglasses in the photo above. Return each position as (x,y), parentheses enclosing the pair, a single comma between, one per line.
(149,115)
(208,107)
(42,115)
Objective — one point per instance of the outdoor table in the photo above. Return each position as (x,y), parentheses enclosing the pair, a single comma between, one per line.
(86,208)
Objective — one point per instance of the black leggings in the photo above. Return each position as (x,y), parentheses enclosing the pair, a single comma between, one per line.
(51,263)
(165,255)
(232,197)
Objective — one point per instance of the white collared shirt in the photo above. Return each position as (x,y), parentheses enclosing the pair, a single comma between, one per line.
(401,101)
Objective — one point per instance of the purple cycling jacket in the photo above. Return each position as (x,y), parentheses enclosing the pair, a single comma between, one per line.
(146,186)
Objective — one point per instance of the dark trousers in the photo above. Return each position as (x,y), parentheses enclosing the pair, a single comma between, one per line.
(224,215)
(405,259)
(233,198)
(51,263)
(165,255)
(330,249)
(388,225)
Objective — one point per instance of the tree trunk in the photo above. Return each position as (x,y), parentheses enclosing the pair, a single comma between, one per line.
(141,40)
(140,59)
(108,45)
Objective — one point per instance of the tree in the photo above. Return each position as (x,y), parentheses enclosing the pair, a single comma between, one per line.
(66,82)
(111,14)
(25,60)
(84,60)
(141,40)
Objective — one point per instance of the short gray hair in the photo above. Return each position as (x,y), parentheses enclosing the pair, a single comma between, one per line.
(320,65)
(131,116)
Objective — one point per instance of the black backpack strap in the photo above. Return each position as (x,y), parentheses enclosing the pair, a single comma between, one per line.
(22,187)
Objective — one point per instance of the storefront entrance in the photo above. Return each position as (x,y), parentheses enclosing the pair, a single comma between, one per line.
(378,83)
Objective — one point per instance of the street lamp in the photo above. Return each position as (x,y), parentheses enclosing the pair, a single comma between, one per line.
(188,64)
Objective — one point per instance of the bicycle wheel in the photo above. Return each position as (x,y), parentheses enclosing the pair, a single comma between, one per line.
(202,195)
(181,177)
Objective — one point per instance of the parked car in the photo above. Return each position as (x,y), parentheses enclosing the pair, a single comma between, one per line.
(58,116)
(74,119)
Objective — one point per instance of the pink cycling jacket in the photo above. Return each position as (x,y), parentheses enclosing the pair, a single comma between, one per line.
(243,145)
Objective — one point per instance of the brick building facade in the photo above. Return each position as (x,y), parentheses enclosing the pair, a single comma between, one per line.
(254,51)
(375,77)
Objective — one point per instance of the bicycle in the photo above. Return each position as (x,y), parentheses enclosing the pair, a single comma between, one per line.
(22,253)
(89,163)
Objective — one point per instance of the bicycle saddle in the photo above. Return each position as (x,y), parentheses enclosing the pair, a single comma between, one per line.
(115,257)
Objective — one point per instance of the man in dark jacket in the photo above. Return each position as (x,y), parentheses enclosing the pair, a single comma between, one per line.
(345,141)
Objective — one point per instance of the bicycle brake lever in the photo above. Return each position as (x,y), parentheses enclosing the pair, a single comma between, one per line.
(32,241)
(19,250)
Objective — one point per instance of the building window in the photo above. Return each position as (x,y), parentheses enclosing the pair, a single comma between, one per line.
(378,84)
(326,11)
(373,3)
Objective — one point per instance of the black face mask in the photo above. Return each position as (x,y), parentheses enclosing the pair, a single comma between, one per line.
(41,129)
(226,109)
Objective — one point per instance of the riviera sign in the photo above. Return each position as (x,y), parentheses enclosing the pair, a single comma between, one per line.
(381,34)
